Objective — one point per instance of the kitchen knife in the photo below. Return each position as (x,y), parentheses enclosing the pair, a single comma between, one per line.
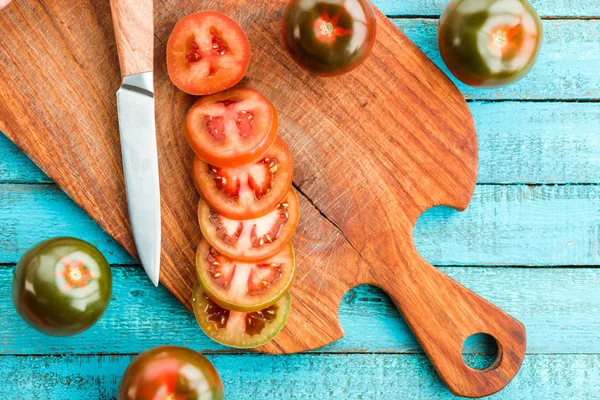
(134,32)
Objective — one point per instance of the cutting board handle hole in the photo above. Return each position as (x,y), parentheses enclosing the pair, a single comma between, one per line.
(481,352)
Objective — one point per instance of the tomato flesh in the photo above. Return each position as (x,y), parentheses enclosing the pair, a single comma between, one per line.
(244,285)
(240,329)
(248,191)
(207,52)
(489,43)
(329,37)
(231,128)
(251,239)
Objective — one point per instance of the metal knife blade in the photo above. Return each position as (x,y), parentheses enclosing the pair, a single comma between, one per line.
(137,127)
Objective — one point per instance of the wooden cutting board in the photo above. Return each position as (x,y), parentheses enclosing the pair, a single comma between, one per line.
(372,150)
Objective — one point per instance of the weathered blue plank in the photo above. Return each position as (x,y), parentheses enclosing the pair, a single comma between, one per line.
(515,225)
(559,307)
(504,225)
(567,67)
(519,142)
(318,376)
(15,166)
(546,8)
(32,213)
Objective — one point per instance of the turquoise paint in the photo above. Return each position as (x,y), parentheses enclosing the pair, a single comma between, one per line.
(567,67)
(504,225)
(546,8)
(559,307)
(318,377)
(520,142)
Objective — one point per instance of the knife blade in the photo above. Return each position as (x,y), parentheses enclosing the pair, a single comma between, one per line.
(134,33)
(135,102)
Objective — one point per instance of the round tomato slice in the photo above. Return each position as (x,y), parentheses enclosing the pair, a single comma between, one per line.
(207,52)
(250,190)
(251,239)
(240,329)
(231,128)
(244,286)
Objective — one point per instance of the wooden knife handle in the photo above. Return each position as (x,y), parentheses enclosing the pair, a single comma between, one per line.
(133,22)
(443,314)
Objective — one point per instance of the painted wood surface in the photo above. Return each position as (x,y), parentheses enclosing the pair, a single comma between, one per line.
(316,376)
(546,8)
(559,307)
(520,225)
(520,142)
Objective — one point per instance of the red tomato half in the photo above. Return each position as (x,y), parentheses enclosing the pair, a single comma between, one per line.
(250,190)
(251,239)
(207,52)
(231,128)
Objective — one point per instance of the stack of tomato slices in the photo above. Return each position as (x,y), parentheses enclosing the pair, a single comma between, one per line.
(248,210)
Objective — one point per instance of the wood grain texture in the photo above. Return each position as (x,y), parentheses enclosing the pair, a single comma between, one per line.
(519,142)
(133,23)
(516,225)
(358,192)
(318,376)
(559,307)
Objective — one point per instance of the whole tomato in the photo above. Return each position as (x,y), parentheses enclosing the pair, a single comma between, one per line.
(173,373)
(329,37)
(489,43)
(62,286)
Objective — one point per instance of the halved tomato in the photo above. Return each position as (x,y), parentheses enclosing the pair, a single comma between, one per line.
(207,52)
(240,329)
(250,190)
(231,128)
(251,239)
(244,286)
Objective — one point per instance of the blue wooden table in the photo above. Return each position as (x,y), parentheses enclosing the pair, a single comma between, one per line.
(529,242)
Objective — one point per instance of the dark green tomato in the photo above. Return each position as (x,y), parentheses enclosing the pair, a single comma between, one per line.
(62,286)
(489,43)
(329,37)
(173,373)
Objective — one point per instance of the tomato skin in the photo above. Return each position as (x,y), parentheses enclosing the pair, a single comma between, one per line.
(218,149)
(54,279)
(274,316)
(329,37)
(170,372)
(192,64)
(489,43)
(208,187)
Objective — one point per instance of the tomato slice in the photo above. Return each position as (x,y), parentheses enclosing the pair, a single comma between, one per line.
(231,128)
(207,52)
(251,239)
(244,286)
(240,329)
(250,190)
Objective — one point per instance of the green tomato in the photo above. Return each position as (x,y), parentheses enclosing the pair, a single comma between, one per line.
(489,43)
(62,286)
(170,372)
